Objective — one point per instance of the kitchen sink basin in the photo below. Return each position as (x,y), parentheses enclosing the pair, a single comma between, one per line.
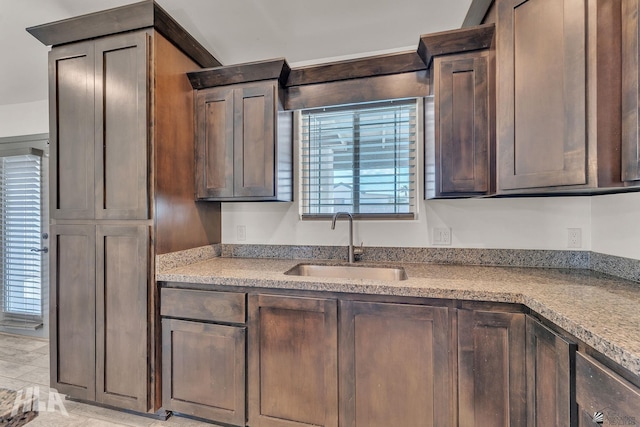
(349,272)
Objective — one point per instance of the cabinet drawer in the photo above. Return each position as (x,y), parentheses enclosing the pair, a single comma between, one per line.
(203,305)
(598,389)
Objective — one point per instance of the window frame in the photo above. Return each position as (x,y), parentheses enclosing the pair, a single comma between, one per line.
(417,167)
(23,323)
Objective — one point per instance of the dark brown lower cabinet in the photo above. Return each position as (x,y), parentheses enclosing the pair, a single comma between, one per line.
(603,396)
(491,369)
(73,310)
(293,361)
(122,253)
(204,370)
(395,365)
(99,313)
(550,377)
(324,362)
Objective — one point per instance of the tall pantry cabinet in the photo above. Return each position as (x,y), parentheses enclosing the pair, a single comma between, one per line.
(122,191)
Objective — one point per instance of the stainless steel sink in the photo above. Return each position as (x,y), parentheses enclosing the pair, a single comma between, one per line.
(349,272)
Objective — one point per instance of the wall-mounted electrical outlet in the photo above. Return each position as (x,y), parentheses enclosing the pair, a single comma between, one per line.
(241,233)
(574,238)
(442,236)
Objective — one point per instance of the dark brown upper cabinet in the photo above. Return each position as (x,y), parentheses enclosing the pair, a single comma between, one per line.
(559,95)
(630,92)
(244,137)
(99,129)
(459,146)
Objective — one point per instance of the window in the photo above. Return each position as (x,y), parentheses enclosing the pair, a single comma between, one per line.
(20,232)
(360,159)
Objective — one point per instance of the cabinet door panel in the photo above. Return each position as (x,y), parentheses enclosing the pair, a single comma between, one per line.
(121,127)
(491,363)
(71,105)
(395,365)
(463,127)
(72,302)
(121,313)
(254,140)
(293,362)
(598,389)
(204,370)
(542,128)
(550,378)
(214,146)
(630,91)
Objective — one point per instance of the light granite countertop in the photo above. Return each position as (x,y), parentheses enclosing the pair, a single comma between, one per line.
(600,310)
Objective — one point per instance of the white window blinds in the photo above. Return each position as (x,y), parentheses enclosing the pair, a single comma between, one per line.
(360,159)
(20,232)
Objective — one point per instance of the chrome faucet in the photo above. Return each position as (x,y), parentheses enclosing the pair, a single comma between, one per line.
(352,250)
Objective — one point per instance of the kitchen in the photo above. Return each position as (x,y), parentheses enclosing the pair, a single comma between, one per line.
(508,225)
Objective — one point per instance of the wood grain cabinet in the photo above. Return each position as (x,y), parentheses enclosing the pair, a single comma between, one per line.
(464,135)
(98,93)
(358,360)
(395,365)
(243,136)
(97,352)
(491,369)
(204,363)
(121,114)
(559,97)
(293,361)
(460,158)
(73,310)
(630,92)
(604,398)
(550,377)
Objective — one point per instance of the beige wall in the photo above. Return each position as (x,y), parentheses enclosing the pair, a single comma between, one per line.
(24,119)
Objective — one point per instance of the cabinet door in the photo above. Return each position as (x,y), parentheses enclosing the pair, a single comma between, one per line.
(72,129)
(630,91)
(214,143)
(541,116)
(72,300)
(550,378)
(395,366)
(121,315)
(602,394)
(293,366)
(254,140)
(121,127)
(463,123)
(203,370)
(491,369)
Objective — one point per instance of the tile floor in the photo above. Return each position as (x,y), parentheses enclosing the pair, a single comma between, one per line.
(24,362)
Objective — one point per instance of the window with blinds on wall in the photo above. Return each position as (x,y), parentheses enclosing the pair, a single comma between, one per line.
(360,159)
(20,238)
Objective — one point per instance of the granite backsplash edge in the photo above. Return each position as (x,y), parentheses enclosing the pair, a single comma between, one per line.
(625,268)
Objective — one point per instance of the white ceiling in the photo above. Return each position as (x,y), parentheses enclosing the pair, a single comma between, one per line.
(236,31)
